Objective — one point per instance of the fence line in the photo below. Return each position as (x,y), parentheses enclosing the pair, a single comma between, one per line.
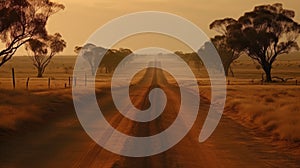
(68,82)
(33,82)
(72,82)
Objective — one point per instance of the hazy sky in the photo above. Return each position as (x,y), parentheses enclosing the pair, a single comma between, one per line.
(82,17)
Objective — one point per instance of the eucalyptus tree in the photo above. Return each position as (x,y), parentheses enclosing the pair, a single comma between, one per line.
(22,21)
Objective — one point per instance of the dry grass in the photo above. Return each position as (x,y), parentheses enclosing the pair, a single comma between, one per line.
(59,67)
(273,109)
(19,109)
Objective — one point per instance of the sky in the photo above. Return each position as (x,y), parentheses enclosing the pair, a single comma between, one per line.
(83,17)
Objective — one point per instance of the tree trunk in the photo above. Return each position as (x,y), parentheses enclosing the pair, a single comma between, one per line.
(231,71)
(40,72)
(267,69)
(226,69)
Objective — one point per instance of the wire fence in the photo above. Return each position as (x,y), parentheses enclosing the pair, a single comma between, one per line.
(30,83)
(261,82)
(35,83)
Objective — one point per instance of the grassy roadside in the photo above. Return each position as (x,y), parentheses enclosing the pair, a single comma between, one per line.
(21,109)
(272,109)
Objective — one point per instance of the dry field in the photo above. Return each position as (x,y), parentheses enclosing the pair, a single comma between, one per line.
(22,109)
(272,108)
(60,69)
(260,126)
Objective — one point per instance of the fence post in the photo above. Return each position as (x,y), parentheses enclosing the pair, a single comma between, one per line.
(13,77)
(296,82)
(65,85)
(69,81)
(228,83)
(27,83)
(49,82)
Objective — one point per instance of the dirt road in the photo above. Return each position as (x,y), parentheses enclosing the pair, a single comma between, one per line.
(61,141)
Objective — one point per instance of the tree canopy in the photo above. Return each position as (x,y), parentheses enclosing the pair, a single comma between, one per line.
(263,34)
(43,50)
(110,60)
(21,21)
(192,59)
(227,53)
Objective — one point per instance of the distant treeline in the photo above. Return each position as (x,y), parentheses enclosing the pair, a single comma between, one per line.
(110,60)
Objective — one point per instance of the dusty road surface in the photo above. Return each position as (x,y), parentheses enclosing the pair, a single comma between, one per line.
(61,142)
